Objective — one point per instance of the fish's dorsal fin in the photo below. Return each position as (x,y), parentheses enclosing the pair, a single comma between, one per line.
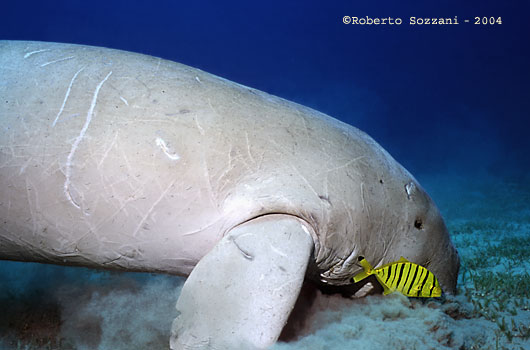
(402,259)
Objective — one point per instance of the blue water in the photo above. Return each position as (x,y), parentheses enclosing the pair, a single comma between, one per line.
(435,97)
(451,103)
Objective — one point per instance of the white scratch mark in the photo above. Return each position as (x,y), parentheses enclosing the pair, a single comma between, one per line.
(23,168)
(162,144)
(248,149)
(31,205)
(201,130)
(125,159)
(246,254)
(9,68)
(68,171)
(277,251)
(121,209)
(108,150)
(59,60)
(309,185)
(286,284)
(34,52)
(199,80)
(124,100)
(362,194)
(144,218)
(157,66)
(199,230)
(211,107)
(348,163)
(409,188)
(66,96)
(213,198)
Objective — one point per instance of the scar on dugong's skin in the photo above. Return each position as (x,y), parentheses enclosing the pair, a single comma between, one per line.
(123,161)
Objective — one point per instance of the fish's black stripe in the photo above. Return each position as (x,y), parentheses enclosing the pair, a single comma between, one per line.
(389,273)
(391,282)
(383,274)
(407,277)
(417,281)
(408,274)
(400,274)
(432,286)
(424,280)
(391,268)
(413,278)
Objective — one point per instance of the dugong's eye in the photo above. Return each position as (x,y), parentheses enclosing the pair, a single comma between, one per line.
(418,223)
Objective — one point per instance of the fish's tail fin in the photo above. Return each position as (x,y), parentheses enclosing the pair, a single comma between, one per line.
(367,270)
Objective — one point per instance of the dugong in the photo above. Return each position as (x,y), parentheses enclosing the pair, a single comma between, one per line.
(118,160)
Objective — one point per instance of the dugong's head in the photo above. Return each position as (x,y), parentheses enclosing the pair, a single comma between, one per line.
(384,214)
(423,237)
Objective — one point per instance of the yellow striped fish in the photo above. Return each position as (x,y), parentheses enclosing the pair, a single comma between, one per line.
(403,276)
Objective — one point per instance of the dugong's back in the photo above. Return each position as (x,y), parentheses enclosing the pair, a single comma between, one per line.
(103,159)
(122,160)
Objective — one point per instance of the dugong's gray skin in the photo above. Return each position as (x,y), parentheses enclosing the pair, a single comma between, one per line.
(119,160)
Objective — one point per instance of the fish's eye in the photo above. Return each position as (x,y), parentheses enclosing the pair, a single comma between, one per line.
(418,224)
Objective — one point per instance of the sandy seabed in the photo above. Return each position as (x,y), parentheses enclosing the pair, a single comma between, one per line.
(51,307)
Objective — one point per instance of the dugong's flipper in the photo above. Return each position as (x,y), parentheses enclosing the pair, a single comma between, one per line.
(240,294)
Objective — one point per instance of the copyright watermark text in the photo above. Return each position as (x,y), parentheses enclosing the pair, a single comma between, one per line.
(367,20)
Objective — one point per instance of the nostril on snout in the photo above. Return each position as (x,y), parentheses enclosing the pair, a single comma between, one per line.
(418,224)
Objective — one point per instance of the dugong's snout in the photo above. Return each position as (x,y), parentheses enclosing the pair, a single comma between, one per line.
(439,253)
(444,262)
